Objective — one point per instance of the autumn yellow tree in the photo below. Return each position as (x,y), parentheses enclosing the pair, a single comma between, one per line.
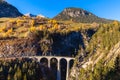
(32,22)
(116,23)
(32,29)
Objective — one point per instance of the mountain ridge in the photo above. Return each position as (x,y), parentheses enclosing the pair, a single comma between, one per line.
(79,15)
(8,10)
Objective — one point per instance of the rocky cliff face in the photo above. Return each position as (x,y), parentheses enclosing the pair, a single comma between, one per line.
(76,12)
(18,47)
(7,10)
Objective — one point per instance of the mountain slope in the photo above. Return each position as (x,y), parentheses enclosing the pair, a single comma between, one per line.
(7,10)
(101,59)
(79,15)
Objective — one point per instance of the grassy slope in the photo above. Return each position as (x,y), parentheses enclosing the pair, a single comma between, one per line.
(20,27)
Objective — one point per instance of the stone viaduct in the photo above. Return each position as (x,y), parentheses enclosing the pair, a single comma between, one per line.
(58,58)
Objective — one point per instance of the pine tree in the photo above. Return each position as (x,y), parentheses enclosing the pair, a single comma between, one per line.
(9,77)
(25,77)
(2,77)
(18,74)
(117,64)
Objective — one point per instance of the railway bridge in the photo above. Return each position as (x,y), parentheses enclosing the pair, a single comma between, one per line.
(58,58)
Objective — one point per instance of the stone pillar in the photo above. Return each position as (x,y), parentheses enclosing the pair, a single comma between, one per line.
(67,72)
(39,59)
(58,70)
(49,62)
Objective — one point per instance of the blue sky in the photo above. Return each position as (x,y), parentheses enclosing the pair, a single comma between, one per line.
(109,9)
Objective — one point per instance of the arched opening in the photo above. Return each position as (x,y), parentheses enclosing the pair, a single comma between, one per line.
(53,66)
(44,61)
(63,68)
(71,63)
